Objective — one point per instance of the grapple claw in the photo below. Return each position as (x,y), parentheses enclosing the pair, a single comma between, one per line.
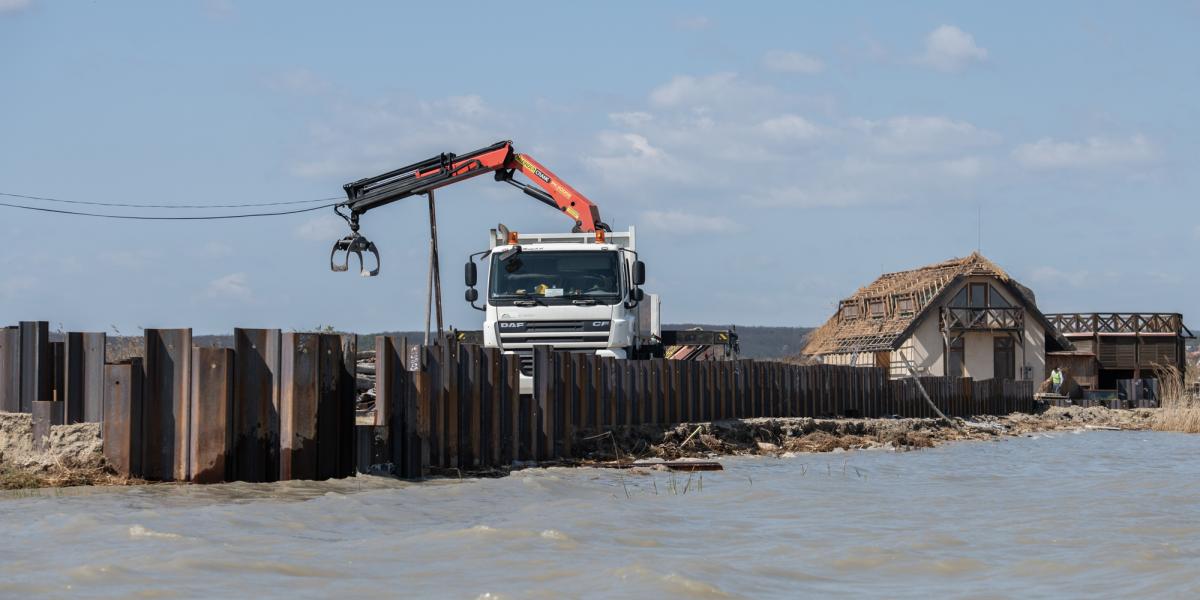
(354,244)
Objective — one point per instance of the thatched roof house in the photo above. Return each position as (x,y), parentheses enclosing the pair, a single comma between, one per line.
(965,316)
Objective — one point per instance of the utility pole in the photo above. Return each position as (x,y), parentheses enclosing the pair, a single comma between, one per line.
(434,298)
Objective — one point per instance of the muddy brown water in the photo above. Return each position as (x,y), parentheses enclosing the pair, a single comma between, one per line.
(1085,514)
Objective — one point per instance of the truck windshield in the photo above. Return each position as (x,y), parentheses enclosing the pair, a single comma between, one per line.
(551,275)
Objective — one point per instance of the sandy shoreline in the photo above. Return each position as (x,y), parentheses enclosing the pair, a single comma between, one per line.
(75,455)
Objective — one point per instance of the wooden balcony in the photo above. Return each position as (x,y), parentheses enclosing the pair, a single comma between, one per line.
(1119,323)
(983,319)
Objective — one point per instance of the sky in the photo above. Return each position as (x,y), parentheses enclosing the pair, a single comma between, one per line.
(772,160)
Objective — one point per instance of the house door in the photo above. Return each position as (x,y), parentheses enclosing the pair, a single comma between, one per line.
(1004,356)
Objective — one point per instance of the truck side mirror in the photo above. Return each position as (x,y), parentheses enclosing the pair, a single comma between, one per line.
(639,272)
(470,274)
(637,295)
(472,295)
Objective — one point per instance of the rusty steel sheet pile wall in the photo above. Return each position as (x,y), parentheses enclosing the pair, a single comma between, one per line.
(452,406)
(281,406)
(69,372)
(210,429)
(10,369)
(255,411)
(458,406)
(316,407)
(166,405)
(37,377)
(122,426)
(276,406)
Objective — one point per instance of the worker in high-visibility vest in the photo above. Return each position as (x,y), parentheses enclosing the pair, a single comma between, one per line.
(1056,379)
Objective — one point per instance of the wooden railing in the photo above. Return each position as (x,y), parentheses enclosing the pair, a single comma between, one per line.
(1126,323)
(982,319)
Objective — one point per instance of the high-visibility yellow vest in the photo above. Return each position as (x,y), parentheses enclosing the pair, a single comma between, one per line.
(1056,377)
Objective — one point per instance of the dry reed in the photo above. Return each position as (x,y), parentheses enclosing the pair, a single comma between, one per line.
(1180,407)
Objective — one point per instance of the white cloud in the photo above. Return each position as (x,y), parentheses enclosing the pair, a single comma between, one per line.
(1048,153)
(951,49)
(367,138)
(725,89)
(685,89)
(229,287)
(831,196)
(130,259)
(695,23)
(627,158)
(908,135)
(13,5)
(784,61)
(325,228)
(470,105)
(718,135)
(633,119)
(686,222)
(215,249)
(790,127)
(13,287)
(967,167)
(1051,275)
(298,81)
(219,9)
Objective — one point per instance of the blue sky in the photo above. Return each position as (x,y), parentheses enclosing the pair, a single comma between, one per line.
(773,158)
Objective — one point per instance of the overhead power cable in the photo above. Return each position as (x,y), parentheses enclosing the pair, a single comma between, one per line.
(169,206)
(158,218)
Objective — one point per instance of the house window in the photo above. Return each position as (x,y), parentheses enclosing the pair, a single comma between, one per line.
(960,299)
(905,306)
(877,311)
(995,299)
(849,311)
(978,295)
(956,358)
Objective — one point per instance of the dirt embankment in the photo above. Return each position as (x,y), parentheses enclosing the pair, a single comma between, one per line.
(778,436)
(74,456)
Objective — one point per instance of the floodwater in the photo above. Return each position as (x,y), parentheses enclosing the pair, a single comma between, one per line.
(1094,513)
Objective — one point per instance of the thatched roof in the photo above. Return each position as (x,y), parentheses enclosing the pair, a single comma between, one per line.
(906,296)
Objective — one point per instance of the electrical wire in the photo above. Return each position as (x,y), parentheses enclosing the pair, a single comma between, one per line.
(173,206)
(157,218)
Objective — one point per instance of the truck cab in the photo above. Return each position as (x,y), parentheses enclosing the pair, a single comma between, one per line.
(578,292)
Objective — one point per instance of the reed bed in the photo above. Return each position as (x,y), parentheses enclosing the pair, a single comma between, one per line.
(1180,404)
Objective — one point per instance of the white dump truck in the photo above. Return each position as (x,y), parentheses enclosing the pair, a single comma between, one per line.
(579,292)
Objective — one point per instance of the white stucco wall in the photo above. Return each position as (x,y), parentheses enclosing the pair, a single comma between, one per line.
(1033,354)
(923,348)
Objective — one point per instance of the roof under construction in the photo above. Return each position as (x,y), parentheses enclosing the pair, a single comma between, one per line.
(881,315)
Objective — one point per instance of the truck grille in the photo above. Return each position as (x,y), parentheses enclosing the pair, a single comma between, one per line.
(553,326)
(526,357)
(517,338)
(576,336)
